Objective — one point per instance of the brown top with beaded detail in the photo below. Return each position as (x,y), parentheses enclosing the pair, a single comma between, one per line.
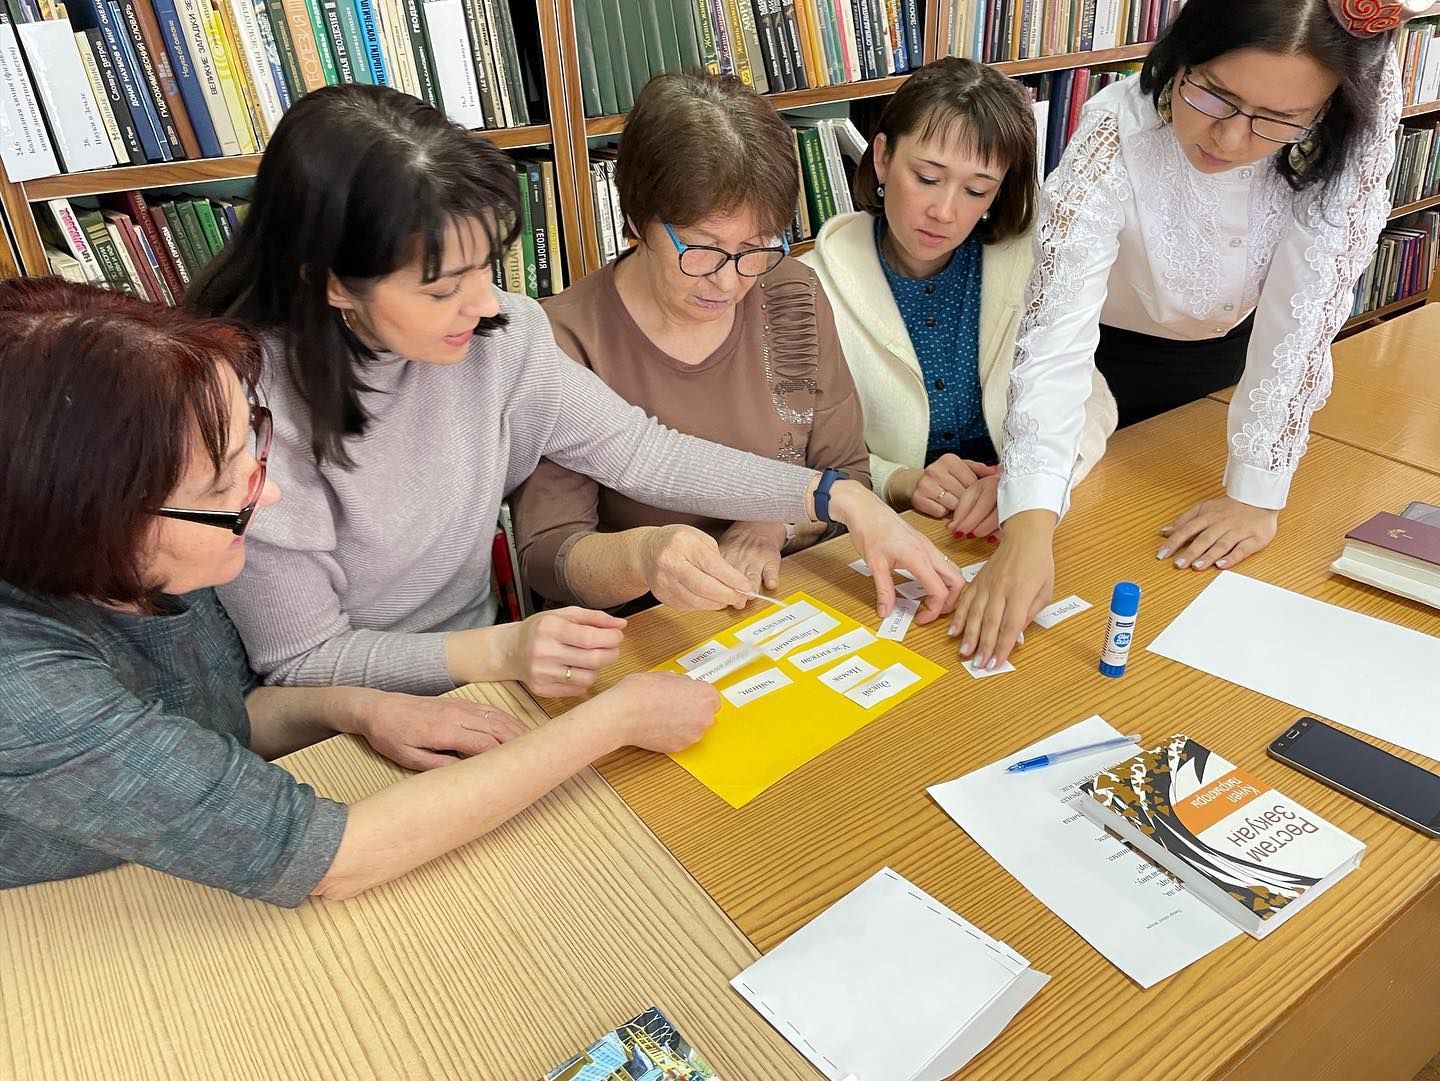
(778,386)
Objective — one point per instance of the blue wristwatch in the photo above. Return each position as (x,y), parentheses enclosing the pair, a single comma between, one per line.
(822,493)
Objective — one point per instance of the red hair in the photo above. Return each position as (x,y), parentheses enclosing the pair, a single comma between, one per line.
(102,397)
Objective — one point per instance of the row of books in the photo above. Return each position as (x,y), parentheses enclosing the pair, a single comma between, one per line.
(1059,98)
(1416,173)
(771,45)
(1403,264)
(95,83)
(999,30)
(153,245)
(1418,45)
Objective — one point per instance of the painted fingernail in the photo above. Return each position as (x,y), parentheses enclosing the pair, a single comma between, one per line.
(1199,564)
(992,662)
(990,539)
(953,631)
(1164,553)
(967,649)
(1220,563)
(1182,563)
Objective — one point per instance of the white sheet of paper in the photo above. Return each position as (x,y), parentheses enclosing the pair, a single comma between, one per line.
(1146,924)
(1325,660)
(757,686)
(887,684)
(897,623)
(986,673)
(847,674)
(889,985)
(818,624)
(1060,611)
(772,625)
(695,658)
(836,647)
(969,573)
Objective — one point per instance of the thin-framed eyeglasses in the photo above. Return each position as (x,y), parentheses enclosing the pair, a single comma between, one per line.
(702,260)
(262,429)
(1218,107)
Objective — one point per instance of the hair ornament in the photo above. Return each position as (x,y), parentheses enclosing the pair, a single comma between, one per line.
(1367,18)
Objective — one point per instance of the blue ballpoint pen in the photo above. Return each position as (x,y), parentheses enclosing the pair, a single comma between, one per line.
(1027,764)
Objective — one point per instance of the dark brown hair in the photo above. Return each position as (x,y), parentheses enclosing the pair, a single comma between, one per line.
(962,103)
(700,145)
(1206,29)
(357,181)
(101,398)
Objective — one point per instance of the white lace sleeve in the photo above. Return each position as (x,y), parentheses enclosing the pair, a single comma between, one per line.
(1308,294)
(1076,242)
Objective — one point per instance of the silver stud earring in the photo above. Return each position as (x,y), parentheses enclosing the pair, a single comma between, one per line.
(879,191)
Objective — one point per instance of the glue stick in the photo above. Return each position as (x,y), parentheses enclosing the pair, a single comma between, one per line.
(1120,631)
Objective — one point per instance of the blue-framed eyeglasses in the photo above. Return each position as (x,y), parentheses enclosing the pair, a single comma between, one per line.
(702,260)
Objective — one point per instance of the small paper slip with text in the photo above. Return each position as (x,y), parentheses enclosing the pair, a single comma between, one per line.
(848,674)
(820,623)
(836,647)
(1147,924)
(888,984)
(897,623)
(985,673)
(695,658)
(1061,611)
(791,615)
(886,685)
(746,691)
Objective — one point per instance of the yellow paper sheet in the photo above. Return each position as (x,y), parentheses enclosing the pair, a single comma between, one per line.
(751,747)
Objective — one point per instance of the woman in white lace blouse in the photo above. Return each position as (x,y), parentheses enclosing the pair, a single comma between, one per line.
(1207,223)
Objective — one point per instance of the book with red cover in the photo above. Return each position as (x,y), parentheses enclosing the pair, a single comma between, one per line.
(1396,554)
(1402,536)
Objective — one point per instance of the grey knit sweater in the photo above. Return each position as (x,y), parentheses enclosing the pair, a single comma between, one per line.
(356,576)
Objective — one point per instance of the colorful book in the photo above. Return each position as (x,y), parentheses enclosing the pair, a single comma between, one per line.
(1244,848)
(113,98)
(645,1048)
(139,20)
(421,52)
(192,93)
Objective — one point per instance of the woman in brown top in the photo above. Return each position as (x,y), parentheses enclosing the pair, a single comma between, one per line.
(707,325)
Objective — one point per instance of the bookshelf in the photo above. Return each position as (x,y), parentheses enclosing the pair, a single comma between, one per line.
(21,201)
(569,134)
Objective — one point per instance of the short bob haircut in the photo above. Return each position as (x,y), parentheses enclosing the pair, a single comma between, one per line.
(697,146)
(973,107)
(358,181)
(102,399)
(1206,29)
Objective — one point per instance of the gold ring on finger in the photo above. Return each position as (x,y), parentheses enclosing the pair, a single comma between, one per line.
(567,672)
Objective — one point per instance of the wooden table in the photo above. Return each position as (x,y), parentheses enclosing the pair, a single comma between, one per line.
(493,964)
(1349,990)
(1386,396)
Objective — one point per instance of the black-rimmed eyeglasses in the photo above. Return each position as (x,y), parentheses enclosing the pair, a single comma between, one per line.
(1218,107)
(262,428)
(701,260)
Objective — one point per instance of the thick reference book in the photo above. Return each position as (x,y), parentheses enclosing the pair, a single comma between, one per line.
(1396,554)
(1247,850)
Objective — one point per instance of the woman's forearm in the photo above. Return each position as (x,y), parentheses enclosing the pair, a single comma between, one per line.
(425,816)
(603,570)
(285,719)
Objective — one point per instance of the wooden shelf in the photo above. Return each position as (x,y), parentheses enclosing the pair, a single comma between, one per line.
(1063,61)
(1388,310)
(1420,109)
(800,247)
(1415,207)
(131,177)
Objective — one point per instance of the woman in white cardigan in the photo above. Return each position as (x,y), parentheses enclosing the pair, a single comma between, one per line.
(927,281)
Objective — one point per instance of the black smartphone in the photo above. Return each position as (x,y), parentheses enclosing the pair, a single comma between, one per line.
(1389,784)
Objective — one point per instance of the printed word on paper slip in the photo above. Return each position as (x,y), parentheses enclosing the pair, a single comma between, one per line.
(1143,921)
(783,702)
(889,985)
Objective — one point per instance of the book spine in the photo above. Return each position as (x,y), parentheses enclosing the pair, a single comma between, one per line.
(478,39)
(420,48)
(139,212)
(150,49)
(153,258)
(309,68)
(73,237)
(864,38)
(527,235)
(222,24)
(605,225)
(494,48)
(735,31)
(765,30)
(194,233)
(202,59)
(445,29)
(541,242)
(80,139)
(687,35)
(111,265)
(585,54)
(790,33)
(281,52)
(369,37)
(705,30)
(209,226)
(552,228)
(754,50)
(137,267)
(191,92)
(520,111)
(26,149)
(354,41)
(189,255)
(320,31)
(345,60)
(810,67)
(102,99)
(136,56)
(137,97)
(395,42)
(261,63)
(171,247)
(115,97)
(227,70)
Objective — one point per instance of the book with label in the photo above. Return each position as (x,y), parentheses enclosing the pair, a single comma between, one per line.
(1248,851)
(1396,554)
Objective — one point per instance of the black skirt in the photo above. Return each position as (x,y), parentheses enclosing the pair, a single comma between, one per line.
(1149,375)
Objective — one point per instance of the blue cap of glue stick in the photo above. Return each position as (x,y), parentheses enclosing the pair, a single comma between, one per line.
(1120,630)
